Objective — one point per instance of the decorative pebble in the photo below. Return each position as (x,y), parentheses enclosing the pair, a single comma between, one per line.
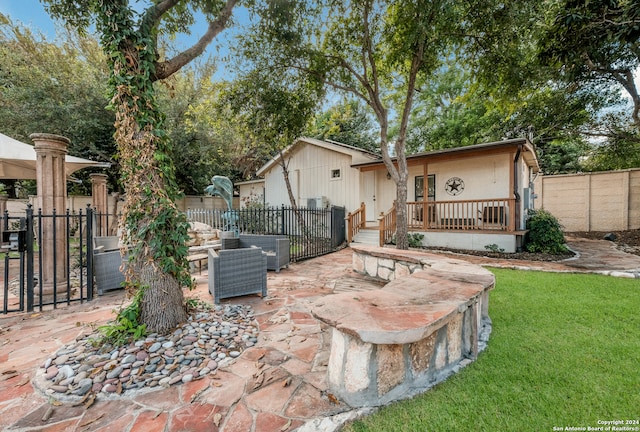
(115,372)
(61,360)
(66,371)
(129,359)
(189,352)
(109,388)
(187,378)
(51,372)
(155,347)
(83,387)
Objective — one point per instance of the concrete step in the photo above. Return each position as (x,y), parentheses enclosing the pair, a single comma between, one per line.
(367,236)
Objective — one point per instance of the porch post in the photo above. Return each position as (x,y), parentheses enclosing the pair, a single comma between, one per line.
(52,196)
(425,196)
(99,202)
(513,212)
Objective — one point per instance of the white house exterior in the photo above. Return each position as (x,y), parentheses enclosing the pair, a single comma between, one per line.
(321,174)
(251,191)
(476,195)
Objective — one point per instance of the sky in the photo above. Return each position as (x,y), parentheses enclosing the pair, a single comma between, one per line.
(31,13)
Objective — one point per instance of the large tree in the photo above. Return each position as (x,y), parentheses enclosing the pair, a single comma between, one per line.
(597,41)
(56,87)
(596,45)
(347,122)
(154,229)
(560,67)
(366,49)
(276,109)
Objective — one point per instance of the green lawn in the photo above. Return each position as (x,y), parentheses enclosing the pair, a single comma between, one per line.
(564,351)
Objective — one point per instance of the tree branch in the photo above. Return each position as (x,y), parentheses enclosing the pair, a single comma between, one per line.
(167,68)
(623,77)
(152,16)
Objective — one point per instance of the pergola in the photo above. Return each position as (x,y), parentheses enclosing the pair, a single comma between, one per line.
(18,161)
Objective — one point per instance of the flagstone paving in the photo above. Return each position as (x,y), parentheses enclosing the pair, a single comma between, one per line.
(277,385)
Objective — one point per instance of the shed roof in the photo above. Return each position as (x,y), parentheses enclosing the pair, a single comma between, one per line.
(329,145)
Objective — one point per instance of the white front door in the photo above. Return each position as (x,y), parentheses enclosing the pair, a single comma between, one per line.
(369,194)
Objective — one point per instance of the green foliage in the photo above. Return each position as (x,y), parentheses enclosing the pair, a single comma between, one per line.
(494,248)
(57,88)
(562,156)
(126,328)
(621,151)
(595,46)
(195,304)
(199,148)
(521,91)
(545,233)
(347,122)
(414,240)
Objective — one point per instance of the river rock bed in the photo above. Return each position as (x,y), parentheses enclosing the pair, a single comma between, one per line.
(192,351)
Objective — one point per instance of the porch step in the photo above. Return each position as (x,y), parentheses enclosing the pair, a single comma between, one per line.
(367,236)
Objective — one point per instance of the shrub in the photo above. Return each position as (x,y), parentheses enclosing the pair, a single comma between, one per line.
(545,233)
(414,240)
(494,248)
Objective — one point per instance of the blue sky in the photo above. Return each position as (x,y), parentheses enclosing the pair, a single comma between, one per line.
(31,13)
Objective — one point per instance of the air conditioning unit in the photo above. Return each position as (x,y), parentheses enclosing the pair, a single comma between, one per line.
(317,203)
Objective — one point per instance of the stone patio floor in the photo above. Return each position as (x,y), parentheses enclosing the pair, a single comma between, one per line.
(277,386)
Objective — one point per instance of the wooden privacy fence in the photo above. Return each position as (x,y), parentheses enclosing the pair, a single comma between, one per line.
(599,201)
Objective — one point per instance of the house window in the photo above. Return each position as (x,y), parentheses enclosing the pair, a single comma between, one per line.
(431,187)
(335,174)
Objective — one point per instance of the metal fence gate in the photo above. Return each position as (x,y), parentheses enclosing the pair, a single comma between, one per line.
(26,258)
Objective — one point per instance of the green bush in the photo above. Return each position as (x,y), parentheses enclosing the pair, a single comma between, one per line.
(545,233)
(414,240)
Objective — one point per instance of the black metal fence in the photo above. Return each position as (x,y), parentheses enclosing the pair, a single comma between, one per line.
(31,250)
(311,232)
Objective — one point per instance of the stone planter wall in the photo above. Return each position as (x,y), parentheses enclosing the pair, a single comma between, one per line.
(426,323)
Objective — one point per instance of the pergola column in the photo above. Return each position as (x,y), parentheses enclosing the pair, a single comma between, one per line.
(99,200)
(52,195)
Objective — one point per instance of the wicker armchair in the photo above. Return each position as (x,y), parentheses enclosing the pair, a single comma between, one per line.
(275,246)
(237,272)
(106,264)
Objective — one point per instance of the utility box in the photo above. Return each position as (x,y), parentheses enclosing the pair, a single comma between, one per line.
(17,240)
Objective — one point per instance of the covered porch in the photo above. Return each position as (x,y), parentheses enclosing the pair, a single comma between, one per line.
(467,224)
(463,198)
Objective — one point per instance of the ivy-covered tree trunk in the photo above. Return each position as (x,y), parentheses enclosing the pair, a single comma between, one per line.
(154,230)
